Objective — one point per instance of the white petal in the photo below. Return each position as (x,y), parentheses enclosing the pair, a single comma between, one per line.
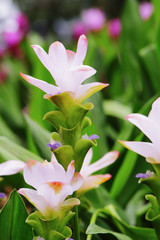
(86,161)
(70,57)
(87,90)
(36,173)
(76,75)
(59,172)
(45,59)
(155,111)
(70,172)
(105,161)
(44,86)
(93,182)
(57,53)
(150,128)
(11,167)
(54,193)
(81,50)
(77,181)
(53,157)
(145,149)
(37,200)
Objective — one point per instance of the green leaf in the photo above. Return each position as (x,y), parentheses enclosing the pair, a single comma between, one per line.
(40,136)
(70,136)
(13,151)
(51,229)
(125,171)
(95,229)
(138,233)
(73,112)
(7,132)
(81,149)
(64,155)
(12,220)
(152,63)
(56,118)
(115,109)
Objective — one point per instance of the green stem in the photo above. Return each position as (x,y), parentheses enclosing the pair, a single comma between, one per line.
(76,232)
(94,218)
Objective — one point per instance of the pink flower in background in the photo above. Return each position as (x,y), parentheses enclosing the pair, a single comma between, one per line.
(13,27)
(146,10)
(150,126)
(78,29)
(52,184)
(67,69)
(93,181)
(93,18)
(114,28)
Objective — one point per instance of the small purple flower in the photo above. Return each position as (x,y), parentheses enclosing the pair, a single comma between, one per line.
(142,175)
(93,18)
(146,10)
(2,195)
(93,136)
(114,28)
(145,175)
(54,146)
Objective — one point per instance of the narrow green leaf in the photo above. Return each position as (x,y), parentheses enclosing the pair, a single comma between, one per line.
(12,220)
(12,151)
(95,229)
(40,136)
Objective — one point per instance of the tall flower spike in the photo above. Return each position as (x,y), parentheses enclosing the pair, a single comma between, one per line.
(92,181)
(52,185)
(67,69)
(150,126)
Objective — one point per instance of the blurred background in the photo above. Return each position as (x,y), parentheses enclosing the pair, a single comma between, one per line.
(123,46)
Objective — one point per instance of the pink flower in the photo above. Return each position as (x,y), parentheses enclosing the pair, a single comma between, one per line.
(79,28)
(114,27)
(92,181)
(146,10)
(52,184)
(67,69)
(93,18)
(150,126)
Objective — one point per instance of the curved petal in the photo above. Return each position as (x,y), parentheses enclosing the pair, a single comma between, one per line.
(105,161)
(11,167)
(70,57)
(145,149)
(81,50)
(155,111)
(86,161)
(53,157)
(147,126)
(87,90)
(44,86)
(54,193)
(93,182)
(36,173)
(57,53)
(45,59)
(37,200)
(59,172)
(70,172)
(77,181)
(75,76)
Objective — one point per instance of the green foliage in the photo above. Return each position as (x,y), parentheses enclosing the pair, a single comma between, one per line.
(12,220)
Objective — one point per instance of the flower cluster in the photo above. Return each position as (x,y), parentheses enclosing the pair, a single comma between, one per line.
(70,169)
